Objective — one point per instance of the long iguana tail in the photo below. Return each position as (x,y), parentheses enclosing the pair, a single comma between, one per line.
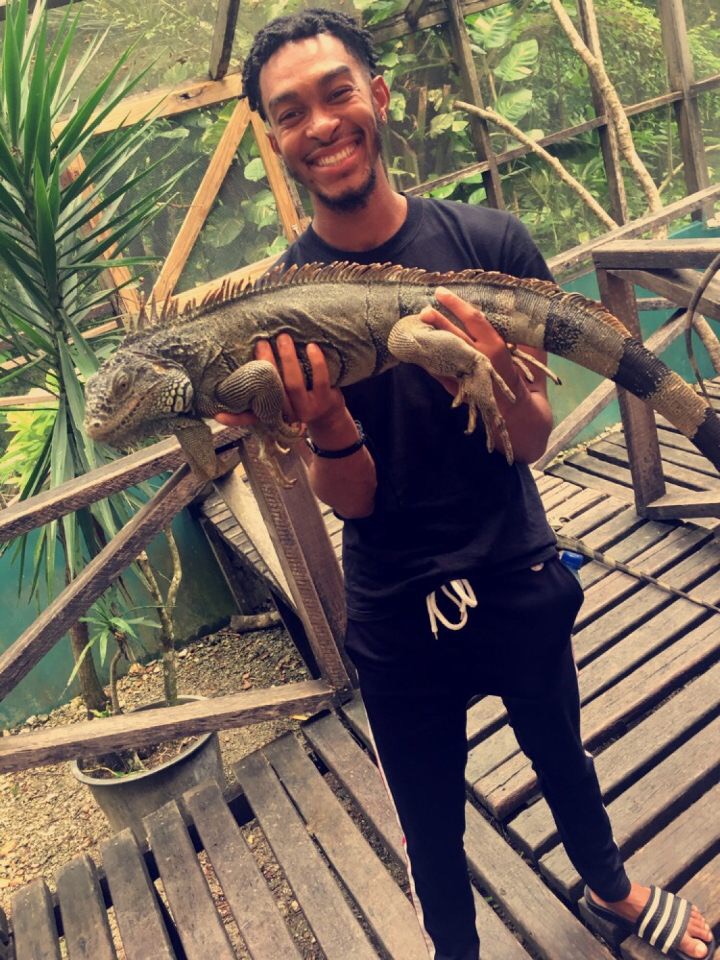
(569,325)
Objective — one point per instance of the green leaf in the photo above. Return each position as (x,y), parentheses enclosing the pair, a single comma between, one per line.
(440,123)
(12,81)
(34,108)
(518,62)
(8,165)
(492,28)
(255,170)
(514,105)
(45,234)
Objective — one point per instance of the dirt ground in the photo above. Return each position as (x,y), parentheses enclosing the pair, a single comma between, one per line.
(47,817)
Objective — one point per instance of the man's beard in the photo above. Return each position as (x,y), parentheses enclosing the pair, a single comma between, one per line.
(355,198)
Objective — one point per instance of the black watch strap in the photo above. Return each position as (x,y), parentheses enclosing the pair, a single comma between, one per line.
(344,451)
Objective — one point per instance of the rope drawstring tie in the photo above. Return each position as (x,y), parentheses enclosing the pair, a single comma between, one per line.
(461,594)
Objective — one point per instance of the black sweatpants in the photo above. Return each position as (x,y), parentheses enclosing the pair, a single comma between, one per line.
(416,687)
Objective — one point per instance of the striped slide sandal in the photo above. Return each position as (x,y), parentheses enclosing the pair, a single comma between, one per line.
(661,924)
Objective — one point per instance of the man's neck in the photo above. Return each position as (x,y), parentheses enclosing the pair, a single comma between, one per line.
(366,228)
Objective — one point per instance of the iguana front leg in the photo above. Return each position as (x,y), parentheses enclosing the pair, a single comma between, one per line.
(256,387)
(195,438)
(443,354)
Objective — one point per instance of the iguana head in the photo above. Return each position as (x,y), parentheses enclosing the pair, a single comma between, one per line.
(133,396)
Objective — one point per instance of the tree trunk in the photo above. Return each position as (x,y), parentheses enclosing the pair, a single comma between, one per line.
(91,690)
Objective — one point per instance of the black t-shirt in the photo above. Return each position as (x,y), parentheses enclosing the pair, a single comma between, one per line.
(444,507)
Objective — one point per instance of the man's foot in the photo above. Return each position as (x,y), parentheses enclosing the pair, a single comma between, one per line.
(697,934)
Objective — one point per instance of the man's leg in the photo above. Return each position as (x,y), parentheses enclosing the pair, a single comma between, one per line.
(418,722)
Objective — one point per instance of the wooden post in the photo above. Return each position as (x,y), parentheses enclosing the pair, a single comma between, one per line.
(606,133)
(637,417)
(687,115)
(472,93)
(306,555)
(289,209)
(225,22)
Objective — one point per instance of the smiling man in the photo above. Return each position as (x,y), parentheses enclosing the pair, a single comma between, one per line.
(453,583)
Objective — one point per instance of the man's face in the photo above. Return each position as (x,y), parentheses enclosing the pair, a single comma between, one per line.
(324,113)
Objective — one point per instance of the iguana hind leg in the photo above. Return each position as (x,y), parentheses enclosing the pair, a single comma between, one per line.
(443,354)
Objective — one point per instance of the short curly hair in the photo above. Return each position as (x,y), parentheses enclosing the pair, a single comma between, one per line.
(299,26)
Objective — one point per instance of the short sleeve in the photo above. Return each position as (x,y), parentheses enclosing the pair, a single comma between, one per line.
(520,255)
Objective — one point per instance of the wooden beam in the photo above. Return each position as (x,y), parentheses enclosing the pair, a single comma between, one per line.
(291,217)
(687,114)
(479,131)
(657,254)
(92,738)
(26,515)
(202,203)
(601,396)
(608,139)
(678,286)
(675,506)
(169,101)
(223,35)
(435,14)
(414,10)
(94,579)
(637,417)
(303,547)
(563,263)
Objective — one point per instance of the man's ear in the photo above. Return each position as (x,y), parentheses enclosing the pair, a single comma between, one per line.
(381,95)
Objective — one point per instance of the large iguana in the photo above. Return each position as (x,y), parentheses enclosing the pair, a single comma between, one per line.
(166,378)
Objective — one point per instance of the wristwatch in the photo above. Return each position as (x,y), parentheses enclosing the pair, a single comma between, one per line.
(343,451)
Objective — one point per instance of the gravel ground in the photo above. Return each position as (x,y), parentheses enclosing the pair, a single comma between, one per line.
(46,817)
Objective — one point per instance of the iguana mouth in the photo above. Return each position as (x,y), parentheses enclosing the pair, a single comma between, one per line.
(101,430)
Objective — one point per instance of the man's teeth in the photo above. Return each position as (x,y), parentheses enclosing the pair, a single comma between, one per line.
(336,157)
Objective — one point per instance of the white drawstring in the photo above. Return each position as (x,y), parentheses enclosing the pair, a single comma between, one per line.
(463,598)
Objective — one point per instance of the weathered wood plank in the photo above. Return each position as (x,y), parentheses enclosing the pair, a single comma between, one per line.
(243,885)
(650,802)
(197,921)
(388,912)
(689,505)
(111,478)
(657,254)
(94,578)
(678,285)
(94,737)
(511,782)
(223,34)
(35,932)
(687,457)
(543,921)
(331,920)
(634,753)
(134,898)
(82,908)
(202,202)
(290,216)
(683,476)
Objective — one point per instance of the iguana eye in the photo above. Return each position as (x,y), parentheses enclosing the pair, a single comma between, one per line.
(121,383)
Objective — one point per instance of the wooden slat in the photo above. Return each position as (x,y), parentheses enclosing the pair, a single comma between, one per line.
(134,899)
(543,921)
(674,505)
(92,737)
(702,889)
(122,473)
(82,908)
(388,912)
(658,254)
(35,932)
(221,50)
(197,921)
(362,781)
(654,799)
(631,755)
(677,285)
(332,922)
(243,885)
(290,216)
(95,577)
(511,782)
(202,202)
(688,457)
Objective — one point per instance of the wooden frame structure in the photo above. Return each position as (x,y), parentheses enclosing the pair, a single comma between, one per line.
(299,539)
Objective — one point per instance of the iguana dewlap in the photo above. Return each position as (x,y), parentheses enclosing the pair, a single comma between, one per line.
(167,377)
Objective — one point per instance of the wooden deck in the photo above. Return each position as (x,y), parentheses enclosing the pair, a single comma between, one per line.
(649,669)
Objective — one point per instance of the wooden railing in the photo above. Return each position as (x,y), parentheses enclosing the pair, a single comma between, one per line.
(303,549)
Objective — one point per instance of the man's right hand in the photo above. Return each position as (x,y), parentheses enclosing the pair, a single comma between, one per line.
(317,406)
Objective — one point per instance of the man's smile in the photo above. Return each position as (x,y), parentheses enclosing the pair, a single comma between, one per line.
(323,159)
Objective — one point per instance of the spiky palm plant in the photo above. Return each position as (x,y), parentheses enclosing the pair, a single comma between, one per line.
(59,232)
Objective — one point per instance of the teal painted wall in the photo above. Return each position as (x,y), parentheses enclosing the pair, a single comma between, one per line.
(577,382)
(204,604)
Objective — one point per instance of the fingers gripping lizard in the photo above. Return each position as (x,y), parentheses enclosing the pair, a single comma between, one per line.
(443,354)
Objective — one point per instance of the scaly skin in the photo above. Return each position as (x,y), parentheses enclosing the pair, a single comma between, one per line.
(165,379)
